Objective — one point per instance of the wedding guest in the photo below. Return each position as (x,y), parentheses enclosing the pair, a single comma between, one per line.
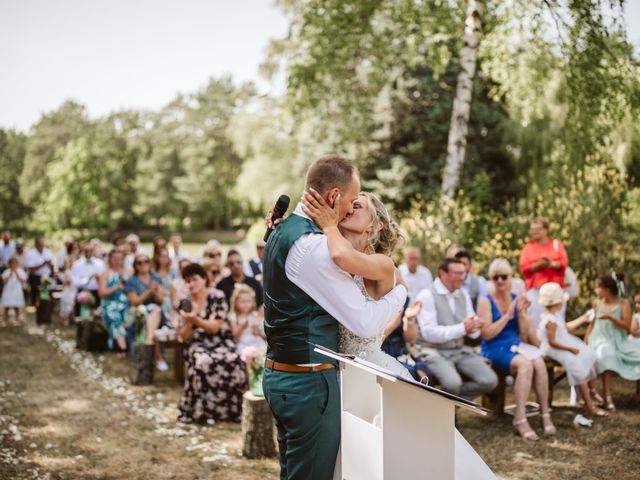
(144,287)
(417,276)
(62,255)
(133,244)
(607,336)
(177,291)
(474,285)
(158,244)
(86,272)
(96,244)
(446,317)
(162,267)
(212,249)
(635,319)
(39,263)
(13,279)
(237,276)
(544,259)
(114,300)
(69,291)
(508,339)
(175,253)
(572,353)
(213,267)
(216,377)
(21,253)
(253,268)
(7,250)
(246,324)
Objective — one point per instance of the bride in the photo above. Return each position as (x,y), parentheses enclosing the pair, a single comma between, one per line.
(361,245)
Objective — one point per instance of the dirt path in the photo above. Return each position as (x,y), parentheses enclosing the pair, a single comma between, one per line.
(63,417)
(66,414)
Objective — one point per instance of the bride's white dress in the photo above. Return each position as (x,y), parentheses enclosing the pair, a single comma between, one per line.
(369,348)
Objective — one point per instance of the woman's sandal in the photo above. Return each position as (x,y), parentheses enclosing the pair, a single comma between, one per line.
(610,406)
(595,412)
(528,435)
(550,428)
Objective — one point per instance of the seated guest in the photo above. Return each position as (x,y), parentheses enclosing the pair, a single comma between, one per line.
(134,248)
(177,291)
(253,268)
(213,267)
(445,319)
(398,333)
(115,302)
(176,254)
(212,249)
(507,337)
(237,276)
(417,276)
(144,287)
(86,271)
(162,267)
(608,335)
(474,285)
(572,353)
(246,325)
(216,377)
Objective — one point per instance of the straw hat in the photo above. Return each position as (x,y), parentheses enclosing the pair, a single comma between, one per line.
(552,294)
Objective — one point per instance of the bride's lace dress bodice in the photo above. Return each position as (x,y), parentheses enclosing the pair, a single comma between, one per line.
(368,348)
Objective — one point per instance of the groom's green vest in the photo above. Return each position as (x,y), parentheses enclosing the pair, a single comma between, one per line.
(293,320)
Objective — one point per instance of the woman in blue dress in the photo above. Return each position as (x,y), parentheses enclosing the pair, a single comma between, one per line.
(507,335)
(114,301)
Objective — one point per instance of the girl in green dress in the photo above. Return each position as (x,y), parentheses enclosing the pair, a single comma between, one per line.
(608,336)
(114,301)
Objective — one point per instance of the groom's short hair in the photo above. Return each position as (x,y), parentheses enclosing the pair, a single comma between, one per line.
(331,171)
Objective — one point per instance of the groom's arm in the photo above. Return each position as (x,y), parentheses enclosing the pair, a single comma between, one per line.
(309,266)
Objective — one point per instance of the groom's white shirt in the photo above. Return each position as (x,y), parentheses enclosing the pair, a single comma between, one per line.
(309,266)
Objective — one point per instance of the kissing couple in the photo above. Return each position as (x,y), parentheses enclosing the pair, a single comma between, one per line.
(328,280)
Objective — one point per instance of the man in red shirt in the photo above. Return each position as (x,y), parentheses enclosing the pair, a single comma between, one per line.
(542,260)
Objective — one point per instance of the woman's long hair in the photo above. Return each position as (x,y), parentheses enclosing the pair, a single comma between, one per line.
(386,239)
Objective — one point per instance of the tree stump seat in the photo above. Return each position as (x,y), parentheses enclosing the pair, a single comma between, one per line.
(257,427)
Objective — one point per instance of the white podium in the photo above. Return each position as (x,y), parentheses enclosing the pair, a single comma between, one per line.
(393,428)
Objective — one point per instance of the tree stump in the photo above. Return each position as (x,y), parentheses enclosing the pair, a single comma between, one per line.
(257,427)
(143,365)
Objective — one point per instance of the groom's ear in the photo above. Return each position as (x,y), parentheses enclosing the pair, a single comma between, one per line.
(331,195)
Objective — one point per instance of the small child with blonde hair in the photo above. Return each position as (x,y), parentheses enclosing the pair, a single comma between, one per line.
(246,324)
(14,279)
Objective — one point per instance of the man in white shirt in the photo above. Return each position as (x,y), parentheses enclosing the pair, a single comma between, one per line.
(39,262)
(446,317)
(306,296)
(417,276)
(86,271)
(253,268)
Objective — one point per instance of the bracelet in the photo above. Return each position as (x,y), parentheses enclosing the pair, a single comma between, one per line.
(409,320)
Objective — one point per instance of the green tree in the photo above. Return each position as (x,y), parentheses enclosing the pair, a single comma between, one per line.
(12,153)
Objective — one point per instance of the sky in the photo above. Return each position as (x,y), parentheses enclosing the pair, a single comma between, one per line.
(116,54)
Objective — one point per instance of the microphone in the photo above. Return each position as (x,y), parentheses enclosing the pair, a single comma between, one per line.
(278,212)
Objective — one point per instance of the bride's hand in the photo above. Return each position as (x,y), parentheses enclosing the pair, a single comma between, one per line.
(322,214)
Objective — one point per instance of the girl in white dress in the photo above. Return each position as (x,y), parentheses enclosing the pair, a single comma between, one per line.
(14,279)
(246,325)
(361,245)
(572,353)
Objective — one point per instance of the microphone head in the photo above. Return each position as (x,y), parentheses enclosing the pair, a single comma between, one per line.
(281,206)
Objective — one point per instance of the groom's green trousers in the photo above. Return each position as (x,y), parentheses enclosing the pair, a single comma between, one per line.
(307,411)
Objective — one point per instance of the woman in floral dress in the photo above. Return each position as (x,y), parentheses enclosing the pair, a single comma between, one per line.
(114,302)
(216,376)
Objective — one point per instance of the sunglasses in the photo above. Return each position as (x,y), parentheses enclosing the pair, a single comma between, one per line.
(143,262)
(213,255)
(235,262)
(502,277)
(214,272)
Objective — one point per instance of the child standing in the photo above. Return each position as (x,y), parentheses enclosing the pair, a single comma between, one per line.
(14,279)
(246,324)
(608,336)
(556,342)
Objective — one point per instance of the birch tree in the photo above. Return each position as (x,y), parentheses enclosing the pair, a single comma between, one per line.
(457,143)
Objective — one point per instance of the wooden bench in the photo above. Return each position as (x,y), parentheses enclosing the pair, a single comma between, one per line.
(495,400)
(178,358)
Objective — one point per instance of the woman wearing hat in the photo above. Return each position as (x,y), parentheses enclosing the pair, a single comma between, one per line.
(508,336)
(556,342)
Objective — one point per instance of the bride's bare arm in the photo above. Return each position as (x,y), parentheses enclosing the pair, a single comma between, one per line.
(373,267)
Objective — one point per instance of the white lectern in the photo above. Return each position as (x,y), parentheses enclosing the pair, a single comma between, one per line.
(393,428)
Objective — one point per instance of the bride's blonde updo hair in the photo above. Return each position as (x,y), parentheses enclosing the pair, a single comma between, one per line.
(386,239)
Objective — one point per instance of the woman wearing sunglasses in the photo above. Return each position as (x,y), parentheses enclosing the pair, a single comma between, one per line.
(508,335)
(144,287)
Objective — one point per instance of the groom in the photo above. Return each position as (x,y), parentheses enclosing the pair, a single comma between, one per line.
(306,295)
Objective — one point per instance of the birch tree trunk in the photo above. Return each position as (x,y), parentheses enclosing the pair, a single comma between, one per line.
(457,143)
